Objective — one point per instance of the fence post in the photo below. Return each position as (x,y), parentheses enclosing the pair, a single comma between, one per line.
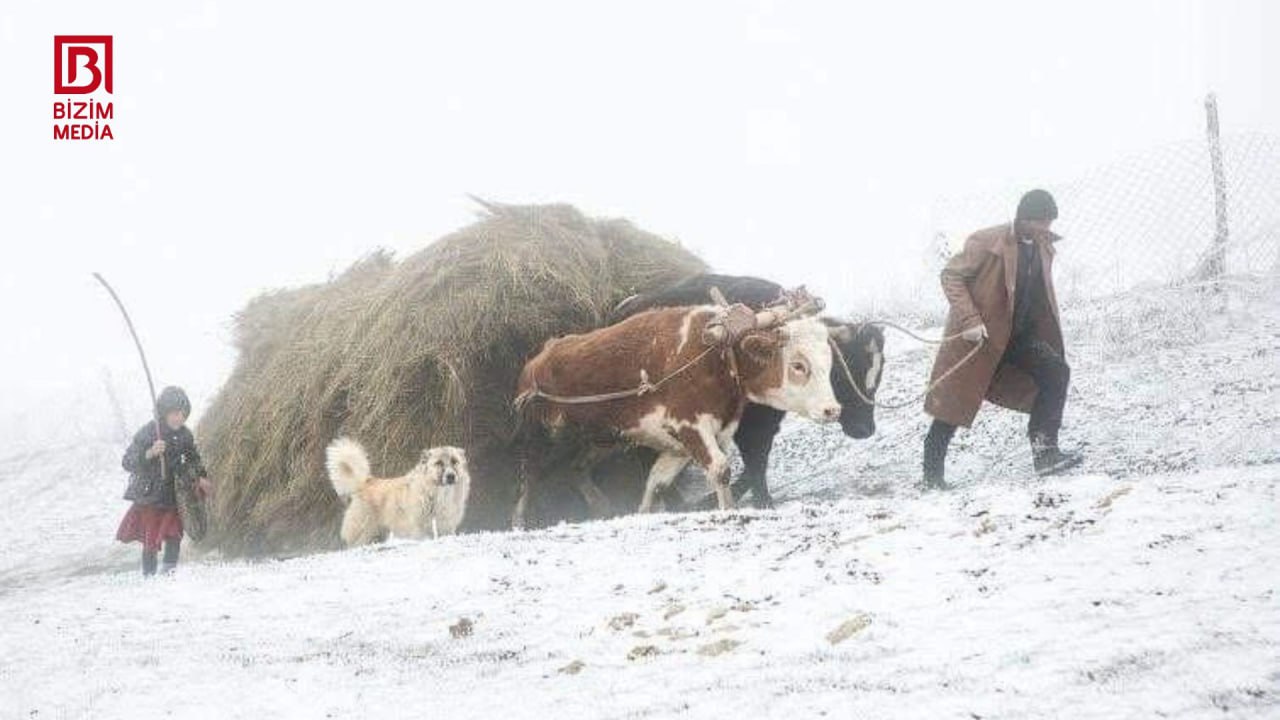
(1215,261)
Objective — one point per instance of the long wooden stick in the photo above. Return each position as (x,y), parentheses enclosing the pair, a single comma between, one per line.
(146,368)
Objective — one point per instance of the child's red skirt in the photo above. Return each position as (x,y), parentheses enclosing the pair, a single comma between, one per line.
(150,524)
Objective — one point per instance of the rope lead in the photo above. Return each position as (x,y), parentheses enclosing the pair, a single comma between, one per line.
(928,389)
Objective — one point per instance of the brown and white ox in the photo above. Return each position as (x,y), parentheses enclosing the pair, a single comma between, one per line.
(694,413)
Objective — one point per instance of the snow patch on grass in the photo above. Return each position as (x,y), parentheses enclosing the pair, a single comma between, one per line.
(1144,586)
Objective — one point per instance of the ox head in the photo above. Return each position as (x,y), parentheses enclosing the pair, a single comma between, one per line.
(788,367)
(863,348)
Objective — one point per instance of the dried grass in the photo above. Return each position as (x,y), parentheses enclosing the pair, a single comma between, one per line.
(408,355)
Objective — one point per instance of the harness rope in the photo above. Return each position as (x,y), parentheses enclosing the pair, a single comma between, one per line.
(719,334)
(644,387)
(928,389)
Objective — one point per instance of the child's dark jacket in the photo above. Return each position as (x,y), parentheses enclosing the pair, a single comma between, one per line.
(146,486)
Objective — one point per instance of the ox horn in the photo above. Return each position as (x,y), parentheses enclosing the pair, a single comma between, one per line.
(770,317)
(735,320)
(780,314)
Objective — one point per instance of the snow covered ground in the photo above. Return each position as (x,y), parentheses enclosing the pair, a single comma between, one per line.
(1144,586)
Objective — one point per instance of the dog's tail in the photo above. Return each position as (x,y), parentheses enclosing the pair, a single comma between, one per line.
(348,465)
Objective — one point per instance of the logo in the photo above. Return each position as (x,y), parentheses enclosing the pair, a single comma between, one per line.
(82,66)
(73,55)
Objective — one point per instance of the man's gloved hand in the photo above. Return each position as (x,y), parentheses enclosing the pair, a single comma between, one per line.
(975,334)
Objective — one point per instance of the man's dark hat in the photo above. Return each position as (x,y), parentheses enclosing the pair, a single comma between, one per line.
(1037,205)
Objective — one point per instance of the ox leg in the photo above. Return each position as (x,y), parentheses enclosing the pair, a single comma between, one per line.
(519,514)
(535,448)
(541,457)
(703,445)
(754,438)
(598,504)
(718,479)
(672,498)
(663,473)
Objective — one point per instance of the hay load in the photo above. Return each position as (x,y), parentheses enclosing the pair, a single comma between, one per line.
(405,355)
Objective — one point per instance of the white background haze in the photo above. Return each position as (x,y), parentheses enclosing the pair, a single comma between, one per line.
(264,145)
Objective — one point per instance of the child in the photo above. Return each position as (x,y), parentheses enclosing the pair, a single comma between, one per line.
(153,518)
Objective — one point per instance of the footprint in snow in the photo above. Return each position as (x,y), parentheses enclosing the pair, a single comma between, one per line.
(621,622)
(849,628)
(719,647)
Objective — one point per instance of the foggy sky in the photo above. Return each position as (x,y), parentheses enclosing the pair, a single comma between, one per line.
(258,146)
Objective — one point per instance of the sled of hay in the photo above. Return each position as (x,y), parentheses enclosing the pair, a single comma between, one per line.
(405,355)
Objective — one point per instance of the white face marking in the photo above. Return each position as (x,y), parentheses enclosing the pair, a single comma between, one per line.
(877,362)
(798,369)
(805,340)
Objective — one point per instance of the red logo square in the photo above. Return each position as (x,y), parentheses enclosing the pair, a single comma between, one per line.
(74,57)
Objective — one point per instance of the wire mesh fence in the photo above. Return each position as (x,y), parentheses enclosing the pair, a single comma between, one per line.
(1149,219)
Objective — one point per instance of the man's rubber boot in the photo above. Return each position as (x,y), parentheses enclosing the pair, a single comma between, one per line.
(935,461)
(1049,459)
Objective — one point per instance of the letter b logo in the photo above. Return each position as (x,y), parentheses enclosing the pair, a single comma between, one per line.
(81,64)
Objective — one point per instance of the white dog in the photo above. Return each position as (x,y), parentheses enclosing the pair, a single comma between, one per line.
(428,500)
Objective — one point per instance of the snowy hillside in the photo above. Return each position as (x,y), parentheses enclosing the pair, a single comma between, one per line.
(1144,586)
(1161,381)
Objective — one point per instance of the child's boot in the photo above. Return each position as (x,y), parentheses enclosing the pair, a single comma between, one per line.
(171,548)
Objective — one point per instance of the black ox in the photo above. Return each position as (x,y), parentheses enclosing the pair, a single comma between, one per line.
(862,347)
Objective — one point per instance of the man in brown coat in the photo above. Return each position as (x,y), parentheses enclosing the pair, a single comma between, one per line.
(1000,288)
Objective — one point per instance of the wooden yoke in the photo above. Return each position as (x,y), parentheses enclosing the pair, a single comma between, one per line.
(737,320)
